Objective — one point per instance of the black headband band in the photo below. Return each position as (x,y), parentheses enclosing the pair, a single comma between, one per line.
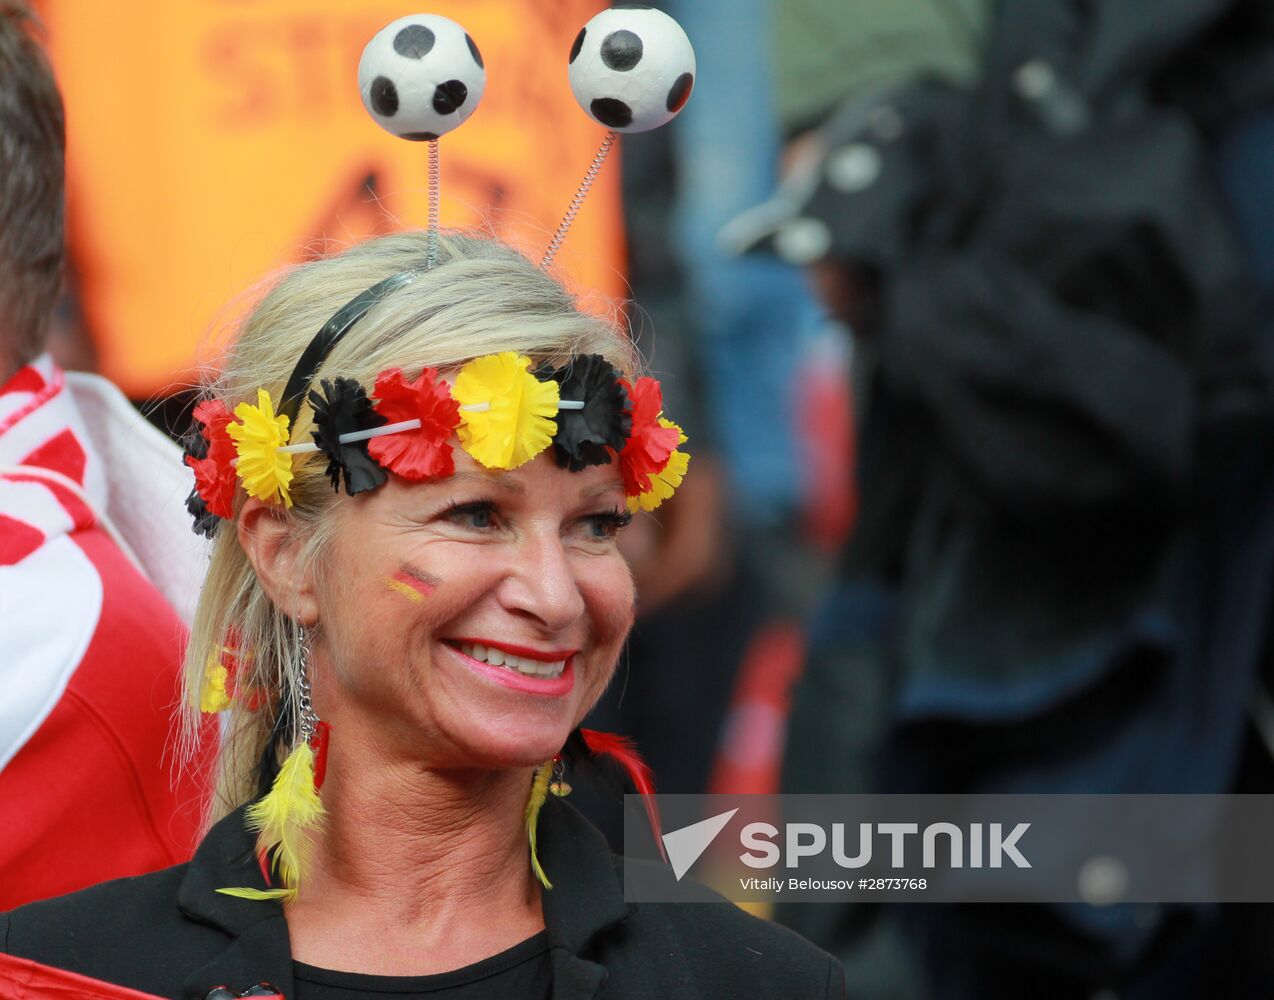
(330,334)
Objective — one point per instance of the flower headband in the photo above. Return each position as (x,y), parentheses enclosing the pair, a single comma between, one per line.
(503,411)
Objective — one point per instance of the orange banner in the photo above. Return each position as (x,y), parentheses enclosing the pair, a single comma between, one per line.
(211,141)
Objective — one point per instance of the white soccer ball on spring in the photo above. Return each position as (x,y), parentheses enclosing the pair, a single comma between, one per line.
(632,68)
(421,76)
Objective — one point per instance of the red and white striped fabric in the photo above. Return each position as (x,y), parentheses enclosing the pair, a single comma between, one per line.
(89,660)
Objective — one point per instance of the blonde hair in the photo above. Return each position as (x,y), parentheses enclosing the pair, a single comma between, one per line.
(481,298)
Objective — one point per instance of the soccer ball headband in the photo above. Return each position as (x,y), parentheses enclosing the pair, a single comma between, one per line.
(631,69)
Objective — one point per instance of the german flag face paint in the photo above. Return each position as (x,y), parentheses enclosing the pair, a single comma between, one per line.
(413,584)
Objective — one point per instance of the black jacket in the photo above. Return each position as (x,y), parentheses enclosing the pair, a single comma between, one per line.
(171,934)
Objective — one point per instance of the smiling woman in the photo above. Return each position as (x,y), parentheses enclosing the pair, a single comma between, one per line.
(387,580)
(415,596)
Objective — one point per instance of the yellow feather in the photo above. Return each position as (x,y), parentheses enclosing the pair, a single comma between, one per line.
(212,695)
(539,792)
(287,895)
(283,816)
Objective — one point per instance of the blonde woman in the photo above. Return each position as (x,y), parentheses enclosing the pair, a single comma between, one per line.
(403,657)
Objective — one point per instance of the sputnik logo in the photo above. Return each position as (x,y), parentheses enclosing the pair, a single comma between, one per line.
(687,844)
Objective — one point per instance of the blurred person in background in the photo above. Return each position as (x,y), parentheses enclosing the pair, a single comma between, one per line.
(731,574)
(1057,260)
(674,681)
(752,318)
(89,647)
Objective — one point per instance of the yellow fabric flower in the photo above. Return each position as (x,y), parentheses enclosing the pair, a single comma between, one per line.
(664,483)
(213,697)
(258,435)
(518,422)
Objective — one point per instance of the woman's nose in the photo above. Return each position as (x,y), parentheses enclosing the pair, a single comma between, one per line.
(542,584)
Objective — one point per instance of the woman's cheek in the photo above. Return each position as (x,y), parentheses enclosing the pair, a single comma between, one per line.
(609,596)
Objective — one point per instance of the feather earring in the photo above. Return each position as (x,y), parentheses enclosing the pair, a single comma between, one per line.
(285,815)
(539,792)
(586,744)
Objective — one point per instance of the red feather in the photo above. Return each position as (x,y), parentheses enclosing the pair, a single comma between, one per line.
(318,743)
(621,750)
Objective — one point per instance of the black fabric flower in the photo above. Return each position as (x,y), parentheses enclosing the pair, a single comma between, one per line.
(194,444)
(584,436)
(342,407)
(204,521)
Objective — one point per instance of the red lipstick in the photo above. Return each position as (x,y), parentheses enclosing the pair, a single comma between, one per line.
(545,687)
(539,655)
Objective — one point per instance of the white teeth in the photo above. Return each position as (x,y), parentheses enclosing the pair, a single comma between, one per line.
(499,658)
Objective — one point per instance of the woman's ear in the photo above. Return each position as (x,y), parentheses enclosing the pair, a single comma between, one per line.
(268,536)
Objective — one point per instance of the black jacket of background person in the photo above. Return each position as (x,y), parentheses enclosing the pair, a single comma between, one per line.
(172,934)
(1061,573)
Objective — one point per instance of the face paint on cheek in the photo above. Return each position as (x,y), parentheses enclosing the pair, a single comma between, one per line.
(411,583)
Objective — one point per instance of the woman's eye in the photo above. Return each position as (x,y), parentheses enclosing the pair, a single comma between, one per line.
(608,524)
(481,516)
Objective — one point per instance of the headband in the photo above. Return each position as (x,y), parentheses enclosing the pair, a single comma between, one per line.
(503,410)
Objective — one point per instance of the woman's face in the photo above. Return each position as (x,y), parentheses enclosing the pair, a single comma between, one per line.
(473,620)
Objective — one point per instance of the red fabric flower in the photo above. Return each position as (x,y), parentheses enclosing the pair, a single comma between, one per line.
(419,454)
(214,471)
(237,659)
(650,445)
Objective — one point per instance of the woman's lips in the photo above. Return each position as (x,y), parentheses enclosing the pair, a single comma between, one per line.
(545,686)
(525,652)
